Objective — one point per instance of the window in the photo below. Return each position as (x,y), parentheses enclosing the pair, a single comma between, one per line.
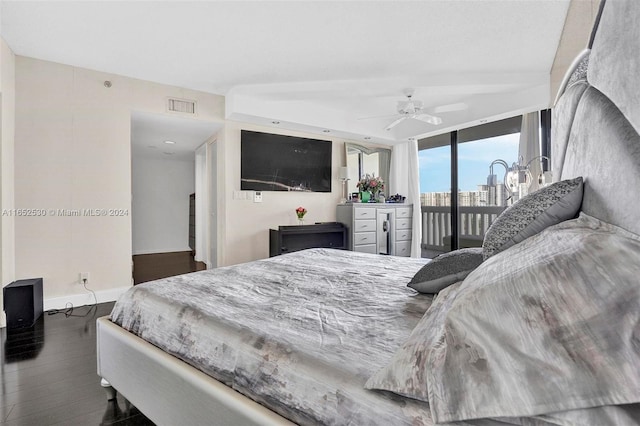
(480,200)
(435,197)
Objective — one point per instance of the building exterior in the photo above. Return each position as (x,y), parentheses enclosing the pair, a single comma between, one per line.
(484,196)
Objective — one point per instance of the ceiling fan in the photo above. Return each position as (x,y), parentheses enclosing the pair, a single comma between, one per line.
(413,109)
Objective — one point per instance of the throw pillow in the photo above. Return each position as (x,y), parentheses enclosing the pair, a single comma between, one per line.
(533,214)
(446,269)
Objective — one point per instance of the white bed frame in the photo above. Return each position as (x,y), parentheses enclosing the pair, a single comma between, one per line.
(168,390)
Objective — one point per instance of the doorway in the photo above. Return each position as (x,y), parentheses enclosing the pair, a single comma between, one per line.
(166,169)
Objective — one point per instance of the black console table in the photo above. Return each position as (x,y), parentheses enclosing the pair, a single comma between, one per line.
(287,239)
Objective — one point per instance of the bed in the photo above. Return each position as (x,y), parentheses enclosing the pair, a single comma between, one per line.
(544,331)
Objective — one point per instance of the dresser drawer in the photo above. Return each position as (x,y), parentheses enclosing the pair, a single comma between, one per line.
(369,248)
(403,235)
(403,212)
(364,238)
(403,223)
(364,213)
(365,225)
(403,248)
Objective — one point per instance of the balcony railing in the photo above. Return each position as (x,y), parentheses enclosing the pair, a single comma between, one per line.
(474,222)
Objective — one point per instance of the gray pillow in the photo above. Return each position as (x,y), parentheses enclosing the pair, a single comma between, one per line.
(446,269)
(541,314)
(559,313)
(406,372)
(533,214)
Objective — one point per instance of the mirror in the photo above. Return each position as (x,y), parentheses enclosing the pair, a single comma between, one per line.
(362,160)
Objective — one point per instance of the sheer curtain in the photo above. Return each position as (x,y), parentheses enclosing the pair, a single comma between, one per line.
(384,162)
(529,147)
(405,180)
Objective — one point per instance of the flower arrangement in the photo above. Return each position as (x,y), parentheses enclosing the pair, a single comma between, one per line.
(300,212)
(370,183)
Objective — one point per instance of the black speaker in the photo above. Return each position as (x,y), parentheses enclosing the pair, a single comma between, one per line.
(23,302)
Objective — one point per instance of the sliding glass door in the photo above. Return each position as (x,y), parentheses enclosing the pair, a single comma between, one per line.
(480,156)
(482,195)
(435,198)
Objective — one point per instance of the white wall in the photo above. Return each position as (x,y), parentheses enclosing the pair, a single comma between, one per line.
(73,151)
(244,225)
(574,39)
(7,131)
(160,204)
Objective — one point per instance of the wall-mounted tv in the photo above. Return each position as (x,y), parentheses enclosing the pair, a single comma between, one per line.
(284,163)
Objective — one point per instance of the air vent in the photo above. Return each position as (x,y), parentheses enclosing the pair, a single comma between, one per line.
(182,106)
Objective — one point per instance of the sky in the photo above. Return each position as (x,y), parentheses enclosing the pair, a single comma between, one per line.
(474,159)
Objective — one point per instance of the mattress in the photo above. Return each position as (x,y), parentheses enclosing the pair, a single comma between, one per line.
(299,333)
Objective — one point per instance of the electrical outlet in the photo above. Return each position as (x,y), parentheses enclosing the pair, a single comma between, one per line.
(84,278)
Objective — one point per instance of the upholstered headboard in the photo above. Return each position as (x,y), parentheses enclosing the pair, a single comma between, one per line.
(596,121)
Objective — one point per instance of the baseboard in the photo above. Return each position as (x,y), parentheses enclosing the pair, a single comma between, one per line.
(85,298)
(159,251)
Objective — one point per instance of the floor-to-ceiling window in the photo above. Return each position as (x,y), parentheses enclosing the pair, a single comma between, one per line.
(435,197)
(482,155)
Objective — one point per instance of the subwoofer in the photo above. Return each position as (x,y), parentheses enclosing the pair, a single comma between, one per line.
(23,302)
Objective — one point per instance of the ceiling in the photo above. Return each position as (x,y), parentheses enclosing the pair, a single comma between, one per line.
(158,136)
(313,65)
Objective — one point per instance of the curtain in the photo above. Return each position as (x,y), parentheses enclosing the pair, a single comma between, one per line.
(383,168)
(529,147)
(405,180)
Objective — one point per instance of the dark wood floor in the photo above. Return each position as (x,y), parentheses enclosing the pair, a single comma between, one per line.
(149,267)
(48,375)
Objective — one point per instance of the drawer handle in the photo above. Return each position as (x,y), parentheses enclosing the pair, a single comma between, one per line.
(364,239)
(364,226)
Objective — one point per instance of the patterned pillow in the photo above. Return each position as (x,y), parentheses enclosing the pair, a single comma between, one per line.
(533,214)
(446,269)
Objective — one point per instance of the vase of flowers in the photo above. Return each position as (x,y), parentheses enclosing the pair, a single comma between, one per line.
(369,187)
(300,212)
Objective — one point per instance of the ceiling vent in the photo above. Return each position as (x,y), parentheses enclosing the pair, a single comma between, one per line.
(183,106)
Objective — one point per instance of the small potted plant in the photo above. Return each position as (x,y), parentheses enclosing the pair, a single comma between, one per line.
(369,187)
(300,212)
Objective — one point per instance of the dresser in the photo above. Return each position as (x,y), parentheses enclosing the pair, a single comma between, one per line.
(377,228)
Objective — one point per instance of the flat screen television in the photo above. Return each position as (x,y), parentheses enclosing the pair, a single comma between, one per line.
(284,163)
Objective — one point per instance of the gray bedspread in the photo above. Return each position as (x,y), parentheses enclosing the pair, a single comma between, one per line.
(299,333)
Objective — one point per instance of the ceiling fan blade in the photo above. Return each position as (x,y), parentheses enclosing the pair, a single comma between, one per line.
(460,106)
(428,119)
(395,123)
(379,117)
